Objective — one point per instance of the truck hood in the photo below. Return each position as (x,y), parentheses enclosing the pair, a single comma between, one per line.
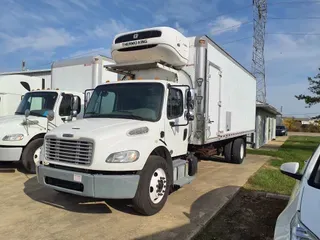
(12,124)
(310,209)
(97,127)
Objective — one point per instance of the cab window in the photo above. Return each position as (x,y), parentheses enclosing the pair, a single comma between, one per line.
(66,105)
(175,103)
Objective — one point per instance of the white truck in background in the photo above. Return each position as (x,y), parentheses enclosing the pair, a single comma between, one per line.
(13,88)
(140,136)
(21,135)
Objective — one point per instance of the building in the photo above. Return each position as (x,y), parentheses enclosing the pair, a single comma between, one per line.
(266,122)
(42,73)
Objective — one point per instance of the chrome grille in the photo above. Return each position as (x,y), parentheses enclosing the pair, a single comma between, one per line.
(69,151)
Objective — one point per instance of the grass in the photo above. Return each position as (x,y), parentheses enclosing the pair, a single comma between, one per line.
(269,178)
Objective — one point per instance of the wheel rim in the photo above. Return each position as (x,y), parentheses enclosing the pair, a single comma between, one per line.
(36,155)
(158,185)
(241,151)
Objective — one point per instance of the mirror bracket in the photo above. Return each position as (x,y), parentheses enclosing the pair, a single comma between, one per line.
(296,176)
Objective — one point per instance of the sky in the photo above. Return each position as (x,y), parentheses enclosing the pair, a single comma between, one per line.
(40,32)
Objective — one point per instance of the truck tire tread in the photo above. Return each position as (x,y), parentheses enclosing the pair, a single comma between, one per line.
(228,151)
(27,155)
(236,155)
(142,202)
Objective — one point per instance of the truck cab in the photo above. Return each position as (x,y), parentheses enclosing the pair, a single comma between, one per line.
(40,111)
(22,133)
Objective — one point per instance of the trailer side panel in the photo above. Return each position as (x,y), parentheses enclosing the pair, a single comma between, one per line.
(230,97)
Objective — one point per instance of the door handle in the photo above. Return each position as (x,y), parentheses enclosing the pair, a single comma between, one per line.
(210,121)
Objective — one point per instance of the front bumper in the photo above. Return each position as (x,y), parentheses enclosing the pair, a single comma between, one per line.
(10,153)
(89,185)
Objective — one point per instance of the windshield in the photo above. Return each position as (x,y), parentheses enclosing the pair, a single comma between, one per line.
(38,103)
(281,127)
(141,101)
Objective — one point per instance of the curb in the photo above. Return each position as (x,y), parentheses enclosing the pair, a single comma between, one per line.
(272,195)
(197,230)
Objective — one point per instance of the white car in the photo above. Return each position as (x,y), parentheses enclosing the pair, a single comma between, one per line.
(301,217)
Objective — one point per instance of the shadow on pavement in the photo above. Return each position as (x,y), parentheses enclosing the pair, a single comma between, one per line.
(11,167)
(248,215)
(201,212)
(71,202)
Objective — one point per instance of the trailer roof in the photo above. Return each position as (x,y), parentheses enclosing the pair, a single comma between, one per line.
(226,53)
(27,71)
(79,60)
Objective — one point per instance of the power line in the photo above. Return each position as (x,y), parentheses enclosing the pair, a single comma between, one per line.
(233,26)
(293,18)
(237,40)
(291,33)
(294,2)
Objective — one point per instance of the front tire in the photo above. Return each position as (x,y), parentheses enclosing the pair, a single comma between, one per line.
(153,188)
(30,154)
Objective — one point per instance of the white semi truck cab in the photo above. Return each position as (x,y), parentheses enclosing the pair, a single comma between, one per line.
(22,134)
(135,137)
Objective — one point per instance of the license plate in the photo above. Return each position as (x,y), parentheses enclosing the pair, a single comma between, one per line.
(77,178)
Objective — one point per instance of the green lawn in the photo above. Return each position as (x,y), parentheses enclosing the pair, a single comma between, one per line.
(269,178)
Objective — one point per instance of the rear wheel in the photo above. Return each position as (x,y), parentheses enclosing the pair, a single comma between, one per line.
(227,151)
(154,185)
(31,154)
(238,151)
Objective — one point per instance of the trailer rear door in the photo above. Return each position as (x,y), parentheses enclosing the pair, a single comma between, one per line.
(213,101)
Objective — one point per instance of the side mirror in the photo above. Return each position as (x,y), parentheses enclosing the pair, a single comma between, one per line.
(27,113)
(291,169)
(74,113)
(76,103)
(50,115)
(190,98)
(189,116)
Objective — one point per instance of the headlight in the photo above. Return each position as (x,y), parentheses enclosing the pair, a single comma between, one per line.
(123,157)
(299,231)
(13,137)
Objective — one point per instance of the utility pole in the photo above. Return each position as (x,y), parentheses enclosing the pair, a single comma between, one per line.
(258,63)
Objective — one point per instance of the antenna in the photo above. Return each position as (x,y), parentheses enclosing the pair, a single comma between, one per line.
(258,66)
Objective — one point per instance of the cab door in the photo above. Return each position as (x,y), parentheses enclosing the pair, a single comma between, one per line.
(176,136)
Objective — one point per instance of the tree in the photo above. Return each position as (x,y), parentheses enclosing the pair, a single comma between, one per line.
(315,89)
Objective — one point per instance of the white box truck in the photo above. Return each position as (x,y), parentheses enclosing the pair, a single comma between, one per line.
(13,88)
(21,135)
(180,96)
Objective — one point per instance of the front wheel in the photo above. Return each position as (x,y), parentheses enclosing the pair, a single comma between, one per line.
(31,154)
(154,185)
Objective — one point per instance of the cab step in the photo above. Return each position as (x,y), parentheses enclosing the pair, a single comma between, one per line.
(180,173)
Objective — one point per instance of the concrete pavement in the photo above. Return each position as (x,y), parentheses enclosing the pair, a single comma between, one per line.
(309,134)
(30,211)
(275,144)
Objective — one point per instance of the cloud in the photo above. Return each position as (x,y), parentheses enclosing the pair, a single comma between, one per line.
(225,24)
(44,39)
(89,52)
(108,29)
(180,29)
(185,12)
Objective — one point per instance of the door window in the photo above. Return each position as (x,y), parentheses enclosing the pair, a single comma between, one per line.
(175,103)
(66,105)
